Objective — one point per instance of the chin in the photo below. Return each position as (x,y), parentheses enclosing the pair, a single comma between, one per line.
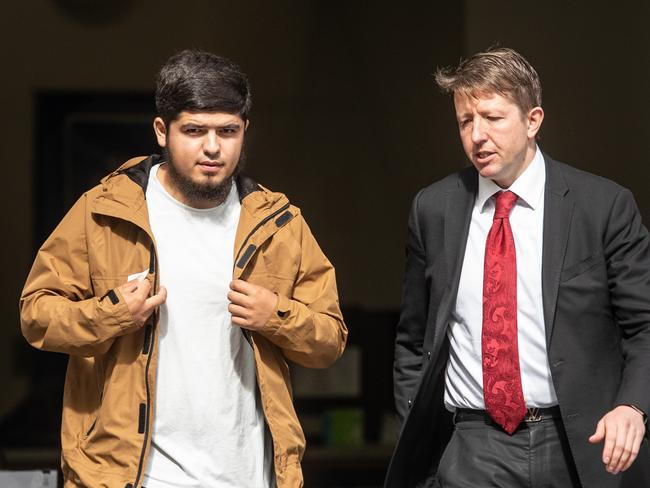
(486,171)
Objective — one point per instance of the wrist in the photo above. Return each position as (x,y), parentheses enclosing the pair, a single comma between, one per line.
(638,410)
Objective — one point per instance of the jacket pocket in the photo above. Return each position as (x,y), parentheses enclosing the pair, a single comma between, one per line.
(91,428)
(104,284)
(583,266)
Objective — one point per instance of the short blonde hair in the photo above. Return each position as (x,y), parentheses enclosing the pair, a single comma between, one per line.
(498,70)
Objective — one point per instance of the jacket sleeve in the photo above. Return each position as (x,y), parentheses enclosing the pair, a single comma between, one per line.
(58,309)
(308,326)
(411,327)
(627,249)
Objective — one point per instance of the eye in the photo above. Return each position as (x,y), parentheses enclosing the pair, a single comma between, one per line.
(494,118)
(192,130)
(228,131)
(464,123)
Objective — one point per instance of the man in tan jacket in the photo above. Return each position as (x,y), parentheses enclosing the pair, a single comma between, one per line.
(179,289)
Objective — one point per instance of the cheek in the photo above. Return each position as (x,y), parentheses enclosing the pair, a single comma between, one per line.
(182,151)
(466,141)
(232,150)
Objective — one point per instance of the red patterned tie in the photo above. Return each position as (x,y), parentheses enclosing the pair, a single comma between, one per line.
(502,391)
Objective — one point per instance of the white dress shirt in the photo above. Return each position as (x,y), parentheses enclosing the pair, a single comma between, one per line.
(464,373)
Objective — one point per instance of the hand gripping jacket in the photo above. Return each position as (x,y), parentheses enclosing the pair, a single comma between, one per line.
(71,304)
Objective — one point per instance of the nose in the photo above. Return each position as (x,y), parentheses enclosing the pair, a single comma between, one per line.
(478,133)
(211,145)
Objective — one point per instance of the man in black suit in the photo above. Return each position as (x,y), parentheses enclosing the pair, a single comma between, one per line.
(522,354)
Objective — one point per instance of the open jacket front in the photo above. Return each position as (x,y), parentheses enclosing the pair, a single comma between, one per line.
(595,288)
(71,304)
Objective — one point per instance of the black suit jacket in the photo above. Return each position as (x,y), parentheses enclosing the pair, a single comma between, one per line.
(596,301)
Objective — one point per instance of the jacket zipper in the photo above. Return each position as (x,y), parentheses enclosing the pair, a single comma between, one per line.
(149,352)
(247,333)
(248,337)
(254,229)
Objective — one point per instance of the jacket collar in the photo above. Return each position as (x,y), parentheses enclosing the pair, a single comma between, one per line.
(127,186)
(123,196)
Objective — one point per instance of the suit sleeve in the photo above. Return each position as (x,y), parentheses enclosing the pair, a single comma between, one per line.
(308,326)
(58,309)
(627,249)
(413,318)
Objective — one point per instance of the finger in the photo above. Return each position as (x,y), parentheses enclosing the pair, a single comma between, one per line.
(241,286)
(240,322)
(129,286)
(634,450)
(157,299)
(633,442)
(619,454)
(610,442)
(163,291)
(238,311)
(624,462)
(239,299)
(599,435)
(144,287)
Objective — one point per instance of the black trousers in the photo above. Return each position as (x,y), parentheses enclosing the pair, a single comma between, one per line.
(481,455)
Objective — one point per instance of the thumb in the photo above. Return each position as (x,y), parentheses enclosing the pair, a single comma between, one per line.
(159,298)
(599,435)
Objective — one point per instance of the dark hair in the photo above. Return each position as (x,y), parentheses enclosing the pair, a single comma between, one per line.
(198,81)
(497,70)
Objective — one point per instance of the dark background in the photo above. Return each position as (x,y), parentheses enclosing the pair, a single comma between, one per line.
(346,121)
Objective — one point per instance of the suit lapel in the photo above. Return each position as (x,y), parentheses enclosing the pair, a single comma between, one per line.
(558,212)
(458,213)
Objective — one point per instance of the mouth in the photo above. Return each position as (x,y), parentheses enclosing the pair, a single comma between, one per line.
(484,157)
(210,166)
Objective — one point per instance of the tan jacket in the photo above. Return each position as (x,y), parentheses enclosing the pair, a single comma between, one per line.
(71,304)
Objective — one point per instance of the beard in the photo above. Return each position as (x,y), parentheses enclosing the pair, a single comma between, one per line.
(207,191)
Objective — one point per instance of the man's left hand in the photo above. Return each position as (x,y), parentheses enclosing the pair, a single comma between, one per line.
(623,430)
(251,305)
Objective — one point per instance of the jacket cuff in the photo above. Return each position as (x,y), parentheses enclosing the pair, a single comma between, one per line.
(282,312)
(117,310)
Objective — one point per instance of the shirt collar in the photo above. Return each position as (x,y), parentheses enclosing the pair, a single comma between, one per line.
(529,187)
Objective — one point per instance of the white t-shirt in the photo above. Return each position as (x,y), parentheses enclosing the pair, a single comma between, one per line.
(208,423)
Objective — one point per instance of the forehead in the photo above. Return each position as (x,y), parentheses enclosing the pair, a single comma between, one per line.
(466,101)
(208,118)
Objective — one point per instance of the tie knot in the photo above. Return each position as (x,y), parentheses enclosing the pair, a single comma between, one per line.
(505,201)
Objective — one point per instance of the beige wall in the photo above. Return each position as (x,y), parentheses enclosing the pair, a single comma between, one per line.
(594,62)
(45,50)
(42,50)
(345,120)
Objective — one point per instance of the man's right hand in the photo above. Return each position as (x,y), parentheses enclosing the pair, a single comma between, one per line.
(141,305)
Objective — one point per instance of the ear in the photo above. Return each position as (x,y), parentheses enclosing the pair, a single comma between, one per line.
(160,129)
(535,119)
(248,122)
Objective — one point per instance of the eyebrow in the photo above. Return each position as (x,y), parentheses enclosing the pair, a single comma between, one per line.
(231,125)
